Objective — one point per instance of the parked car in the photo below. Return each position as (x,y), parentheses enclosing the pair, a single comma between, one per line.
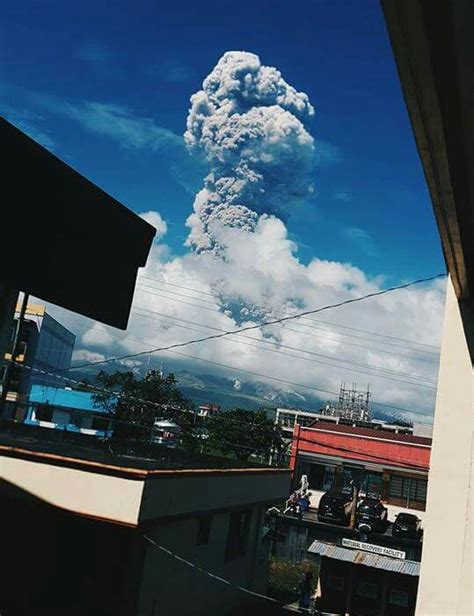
(335,508)
(371,515)
(407,525)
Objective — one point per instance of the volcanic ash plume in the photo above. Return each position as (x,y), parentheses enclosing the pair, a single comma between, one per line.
(250,126)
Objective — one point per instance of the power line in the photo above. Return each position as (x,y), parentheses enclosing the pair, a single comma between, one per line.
(266,307)
(380,372)
(372,456)
(119,395)
(194,357)
(318,336)
(377,371)
(310,327)
(265,323)
(234,368)
(273,378)
(218,578)
(197,358)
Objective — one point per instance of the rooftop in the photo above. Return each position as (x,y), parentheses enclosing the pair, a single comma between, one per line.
(378,433)
(110,456)
(129,485)
(377,561)
(66,398)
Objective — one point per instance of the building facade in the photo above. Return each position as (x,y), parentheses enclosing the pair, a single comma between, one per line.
(372,571)
(100,534)
(43,345)
(432,45)
(380,582)
(67,409)
(208,410)
(382,463)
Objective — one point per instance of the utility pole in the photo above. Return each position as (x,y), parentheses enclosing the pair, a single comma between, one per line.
(8,301)
(10,366)
(355,498)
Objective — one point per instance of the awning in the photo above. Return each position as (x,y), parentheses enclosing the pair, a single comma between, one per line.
(406,567)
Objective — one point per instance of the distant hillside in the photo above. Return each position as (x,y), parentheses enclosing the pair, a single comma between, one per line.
(231,392)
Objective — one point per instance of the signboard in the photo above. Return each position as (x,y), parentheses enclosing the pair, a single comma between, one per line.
(375,549)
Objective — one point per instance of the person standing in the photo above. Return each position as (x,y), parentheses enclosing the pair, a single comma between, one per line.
(306,592)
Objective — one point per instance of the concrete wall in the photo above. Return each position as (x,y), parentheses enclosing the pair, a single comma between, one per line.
(181,493)
(171,587)
(89,493)
(446,572)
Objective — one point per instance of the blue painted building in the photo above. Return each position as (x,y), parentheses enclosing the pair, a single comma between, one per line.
(67,409)
(45,350)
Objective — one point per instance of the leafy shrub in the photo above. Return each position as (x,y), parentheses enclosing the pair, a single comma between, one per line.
(285,577)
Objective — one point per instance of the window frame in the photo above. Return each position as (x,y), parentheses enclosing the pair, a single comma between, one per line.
(238,534)
(203,533)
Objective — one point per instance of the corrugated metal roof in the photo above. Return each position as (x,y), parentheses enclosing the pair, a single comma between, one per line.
(407,567)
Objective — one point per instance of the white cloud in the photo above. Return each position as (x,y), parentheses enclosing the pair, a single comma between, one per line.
(252,127)
(84,355)
(122,125)
(342,195)
(129,130)
(362,239)
(326,153)
(258,277)
(172,71)
(155,219)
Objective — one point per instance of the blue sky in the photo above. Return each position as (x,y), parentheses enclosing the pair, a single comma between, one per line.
(107,87)
(144,61)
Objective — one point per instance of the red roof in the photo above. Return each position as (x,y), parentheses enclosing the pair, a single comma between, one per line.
(373,432)
(376,447)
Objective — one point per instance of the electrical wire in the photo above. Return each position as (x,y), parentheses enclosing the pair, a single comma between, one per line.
(122,395)
(265,323)
(266,376)
(218,578)
(319,337)
(266,307)
(377,371)
(308,327)
(234,368)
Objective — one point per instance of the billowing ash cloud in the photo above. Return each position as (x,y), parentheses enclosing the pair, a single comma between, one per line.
(250,126)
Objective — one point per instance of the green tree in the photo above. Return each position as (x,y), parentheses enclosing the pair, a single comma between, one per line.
(244,433)
(134,408)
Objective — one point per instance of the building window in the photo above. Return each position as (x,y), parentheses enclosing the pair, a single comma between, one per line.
(204,530)
(75,419)
(43,412)
(237,537)
(335,583)
(367,589)
(408,489)
(320,476)
(316,476)
(99,423)
(399,597)
(373,484)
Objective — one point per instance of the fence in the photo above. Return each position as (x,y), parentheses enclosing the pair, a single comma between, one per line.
(112,449)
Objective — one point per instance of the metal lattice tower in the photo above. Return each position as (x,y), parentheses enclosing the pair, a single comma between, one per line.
(352,404)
